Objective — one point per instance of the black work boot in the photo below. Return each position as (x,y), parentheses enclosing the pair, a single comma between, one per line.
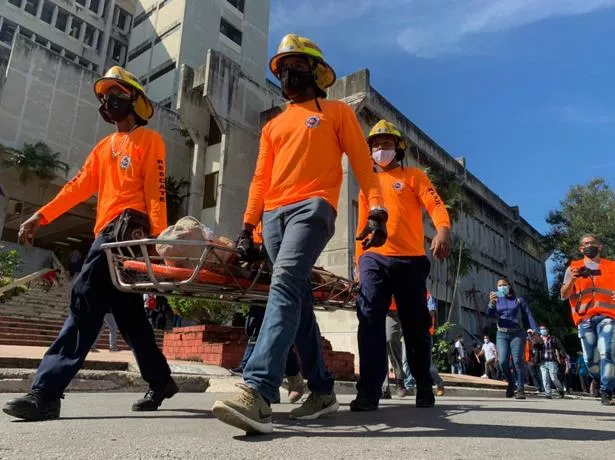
(424,397)
(363,404)
(36,405)
(153,398)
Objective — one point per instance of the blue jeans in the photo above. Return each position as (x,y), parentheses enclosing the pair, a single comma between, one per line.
(294,237)
(549,370)
(596,334)
(507,344)
(457,369)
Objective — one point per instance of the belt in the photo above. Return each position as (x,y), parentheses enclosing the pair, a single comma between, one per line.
(508,329)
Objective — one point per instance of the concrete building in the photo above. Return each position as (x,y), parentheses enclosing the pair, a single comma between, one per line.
(91,33)
(168,34)
(44,97)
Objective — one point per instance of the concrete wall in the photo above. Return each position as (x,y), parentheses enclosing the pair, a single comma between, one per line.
(199,31)
(220,89)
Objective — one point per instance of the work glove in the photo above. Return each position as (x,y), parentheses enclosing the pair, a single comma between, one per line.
(374,233)
(245,243)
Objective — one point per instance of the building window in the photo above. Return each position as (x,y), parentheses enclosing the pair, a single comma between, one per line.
(166,69)
(70,56)
(62,20)
(31,6)
(25,33)
(142,48)
(55,48)
(123,20)
(17,3)
(143,16)
(7,32)
(230,31)
(81,2)
(40,40)
(215,135)
(94,5)
(210,190)
(47,13)
(117,51)
(75,28)
(239,4)
(89,35)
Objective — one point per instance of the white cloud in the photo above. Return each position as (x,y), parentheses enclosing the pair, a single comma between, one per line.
(587,116)
(425,28)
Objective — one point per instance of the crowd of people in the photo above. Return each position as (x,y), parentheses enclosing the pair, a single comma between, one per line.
(292,207)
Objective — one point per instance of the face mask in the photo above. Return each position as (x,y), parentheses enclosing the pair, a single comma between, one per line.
(295,82)
(590,251)
(544,332)
(383,157)
(115,108)
(504,290)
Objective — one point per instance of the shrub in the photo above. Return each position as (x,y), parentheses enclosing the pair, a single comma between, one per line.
(441,346)
(204,310)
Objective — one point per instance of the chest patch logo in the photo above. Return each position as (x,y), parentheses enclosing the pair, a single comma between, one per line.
(312,121)
(125,162)
(398,186)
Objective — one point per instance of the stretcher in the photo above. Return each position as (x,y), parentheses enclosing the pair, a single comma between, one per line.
(216,272)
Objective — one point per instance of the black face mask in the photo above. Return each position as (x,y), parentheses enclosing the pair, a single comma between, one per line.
(115,108)
(295,82)
(590,251)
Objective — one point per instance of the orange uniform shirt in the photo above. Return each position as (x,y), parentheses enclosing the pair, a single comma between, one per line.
(300,157)
(132,179)
(406,192)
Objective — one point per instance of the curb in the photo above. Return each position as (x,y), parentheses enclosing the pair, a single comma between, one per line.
(19,381)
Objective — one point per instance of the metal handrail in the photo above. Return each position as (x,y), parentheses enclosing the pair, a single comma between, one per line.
(21,281)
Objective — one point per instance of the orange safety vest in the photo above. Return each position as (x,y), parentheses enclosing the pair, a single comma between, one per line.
(432,329)
(591,298)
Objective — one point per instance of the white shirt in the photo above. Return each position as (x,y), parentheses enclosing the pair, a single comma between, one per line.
(489,350)
(460,349)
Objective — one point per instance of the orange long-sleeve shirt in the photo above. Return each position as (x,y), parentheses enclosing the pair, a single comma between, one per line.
(406,192)
(300,158)
(133,179)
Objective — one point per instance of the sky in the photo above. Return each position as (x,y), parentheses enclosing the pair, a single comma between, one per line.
(524,89)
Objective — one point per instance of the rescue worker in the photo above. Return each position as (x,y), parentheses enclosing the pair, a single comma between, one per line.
(589,286)
(399,268)
(295,189)
(127,171)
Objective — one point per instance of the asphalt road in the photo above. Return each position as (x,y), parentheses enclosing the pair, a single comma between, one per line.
(101,426)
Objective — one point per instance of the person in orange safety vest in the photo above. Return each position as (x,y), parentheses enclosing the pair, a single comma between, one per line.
(589,286)
(126,170)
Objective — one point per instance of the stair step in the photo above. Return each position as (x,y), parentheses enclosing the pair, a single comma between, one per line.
(33,363)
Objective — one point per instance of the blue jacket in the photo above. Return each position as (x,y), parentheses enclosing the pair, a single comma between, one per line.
(509,310)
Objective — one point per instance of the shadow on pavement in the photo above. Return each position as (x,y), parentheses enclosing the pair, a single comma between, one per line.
(393,421)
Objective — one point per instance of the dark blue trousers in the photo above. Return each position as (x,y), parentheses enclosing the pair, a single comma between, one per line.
(382,278)
(92,295)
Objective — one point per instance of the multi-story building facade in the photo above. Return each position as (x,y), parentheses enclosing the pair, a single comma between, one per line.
(169,33)
(90,33)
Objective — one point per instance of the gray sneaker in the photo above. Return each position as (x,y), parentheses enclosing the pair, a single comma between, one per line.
(316,406)
(247,411)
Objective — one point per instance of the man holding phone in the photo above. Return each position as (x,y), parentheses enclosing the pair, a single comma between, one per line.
(589,286)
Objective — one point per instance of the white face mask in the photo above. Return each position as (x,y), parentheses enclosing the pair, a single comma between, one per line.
(383,157)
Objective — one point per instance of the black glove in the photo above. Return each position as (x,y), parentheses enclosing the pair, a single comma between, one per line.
(374,233)
(245,243)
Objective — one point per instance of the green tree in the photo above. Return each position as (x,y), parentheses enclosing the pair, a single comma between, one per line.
(34,160)
(441,346)
(9,262)
(204,310)
(588,208)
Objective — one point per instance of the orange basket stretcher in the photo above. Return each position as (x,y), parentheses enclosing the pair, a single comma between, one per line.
(135,267)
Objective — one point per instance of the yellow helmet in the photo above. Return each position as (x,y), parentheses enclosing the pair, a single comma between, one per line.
(117,75)
(292,44)
(386,127)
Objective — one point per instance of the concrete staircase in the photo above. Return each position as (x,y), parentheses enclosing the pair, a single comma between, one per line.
(35,318)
